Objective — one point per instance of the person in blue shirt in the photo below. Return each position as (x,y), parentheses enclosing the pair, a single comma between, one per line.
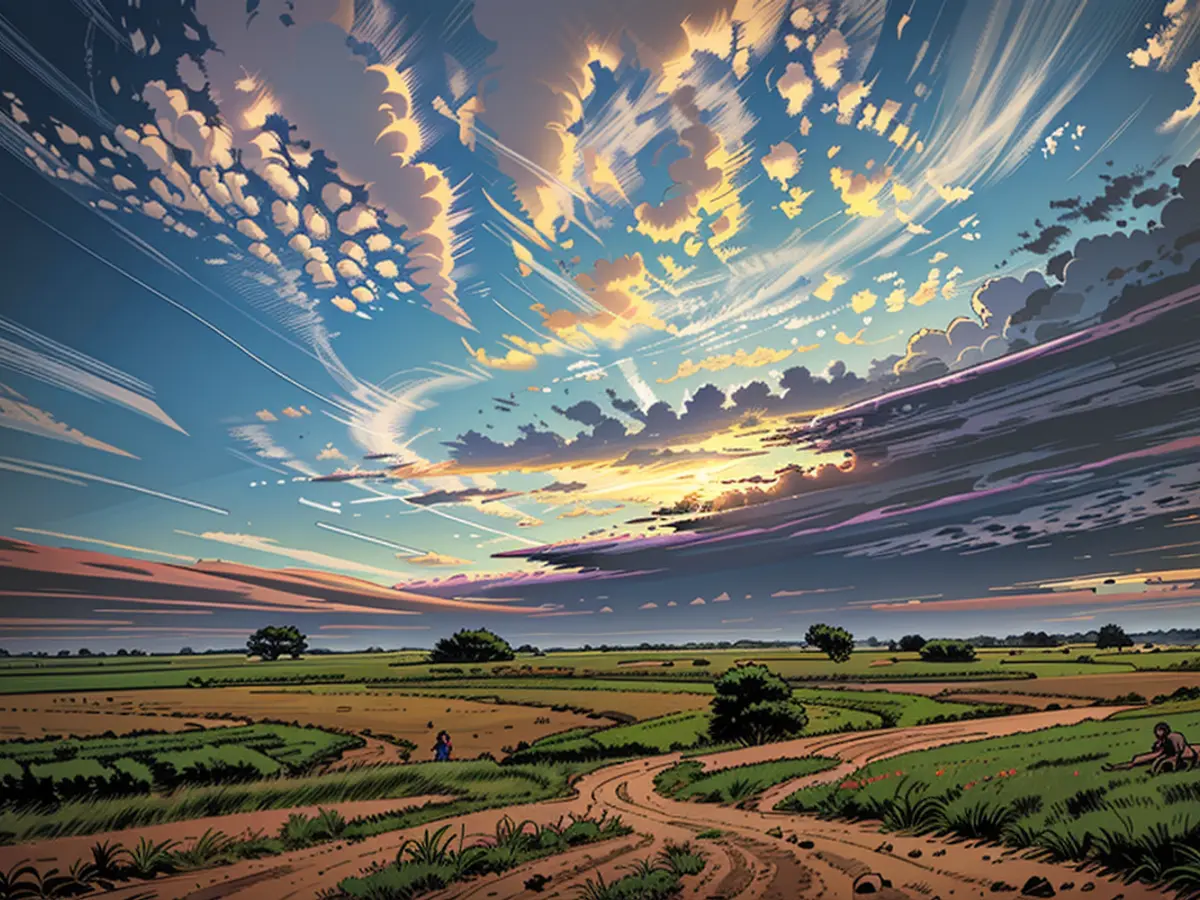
(443,747)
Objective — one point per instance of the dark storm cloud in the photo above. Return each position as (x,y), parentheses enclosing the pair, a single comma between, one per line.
(708,411)
(1115,195)
(434,498)
(1047,239)
(1152,196)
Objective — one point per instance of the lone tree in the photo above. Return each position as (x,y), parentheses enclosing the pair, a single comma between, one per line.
(472,646)
(837,643)
(911,643)
(753,705)
(1113,636)
(948,651)
(275,641)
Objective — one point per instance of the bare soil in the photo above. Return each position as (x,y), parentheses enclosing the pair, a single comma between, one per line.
(744,863)
(475,727)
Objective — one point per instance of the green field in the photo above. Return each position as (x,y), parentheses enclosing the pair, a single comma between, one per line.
(53,771)
(690,781)
(475,784)
(896,710)
(1043,791)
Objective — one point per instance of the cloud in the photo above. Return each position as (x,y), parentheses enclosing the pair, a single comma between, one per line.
(542,63)
(260,544)
(860,191)
(938,257)
(330,452)
(434,559)
(582,510)
(265,415)
(782,163)
(293,413)
(945,191)
(699,601)
(722,597)
(562,487)
(616,290)
(795,87)
(828,57)
(650,605)
(763,356)
(361,116)
(465,495)
(513,360)
(1170,41)
(17,414)
(704,179)
(863,301)
(1189,112)
(831,283)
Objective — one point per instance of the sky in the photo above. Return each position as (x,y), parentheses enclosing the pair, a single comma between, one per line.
(601,322)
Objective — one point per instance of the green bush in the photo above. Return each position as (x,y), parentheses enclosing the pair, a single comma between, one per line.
(947,651)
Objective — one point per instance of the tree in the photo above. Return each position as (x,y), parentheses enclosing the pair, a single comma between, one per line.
(84,652)
(122,652)
(911,643)
(528,650)
(1113,636)
(837,643)
(472,646)
(948,651)
(275,641)
(753,705)
(186,651)
(64,653)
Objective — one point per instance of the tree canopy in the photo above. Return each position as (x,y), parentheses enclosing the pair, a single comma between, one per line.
(472,646)
(275,641)
(753,705)
(947,651)
(1113,636)
(837,643)
(911,643)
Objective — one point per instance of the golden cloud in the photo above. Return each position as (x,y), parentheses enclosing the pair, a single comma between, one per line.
(860,191)
(782,163)
(763,356)
(617,288)
(433,559)
(862,301)
(513,361)
(831,283)
(795,87)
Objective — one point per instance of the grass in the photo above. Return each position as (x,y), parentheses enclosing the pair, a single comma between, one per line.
(897,710)
(653,878)
(475,784)
(690,781)
(1044,791)
(46,772)
(441,857)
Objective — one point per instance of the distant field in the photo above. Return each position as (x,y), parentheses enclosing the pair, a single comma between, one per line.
(476,727)
(83,720)
(680,731)
(897,710)
(639,704)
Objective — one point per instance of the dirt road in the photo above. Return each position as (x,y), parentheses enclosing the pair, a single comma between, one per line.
(744,863)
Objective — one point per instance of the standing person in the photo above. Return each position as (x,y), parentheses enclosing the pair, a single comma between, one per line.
(443,747)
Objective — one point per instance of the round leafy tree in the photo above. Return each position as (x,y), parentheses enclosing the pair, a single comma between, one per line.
(948,651)
(837,643)
(472,646)
(753,705)
(912,643)
(275,641)
(1113,636)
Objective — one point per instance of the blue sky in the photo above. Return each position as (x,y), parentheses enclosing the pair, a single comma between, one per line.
(252,246)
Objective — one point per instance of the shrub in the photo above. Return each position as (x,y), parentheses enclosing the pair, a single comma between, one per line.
(836,643)
(471,647)
(947,651)
(753,705)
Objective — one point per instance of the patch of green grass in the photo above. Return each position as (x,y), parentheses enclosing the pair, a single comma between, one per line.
(653,878)
(1045,791)
(441,857)
(689,780)
(894,709)
(475,783)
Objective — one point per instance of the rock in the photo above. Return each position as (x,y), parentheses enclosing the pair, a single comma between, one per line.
(868,883)
(914,854)
(1088,886)
(537,883)
(792,839)
(775,832)
(1066,886)
(806,845)
(1037,886)
(1002,887)
(941,852)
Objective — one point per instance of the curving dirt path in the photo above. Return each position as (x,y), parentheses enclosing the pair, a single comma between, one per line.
(744,863)
(373,752)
